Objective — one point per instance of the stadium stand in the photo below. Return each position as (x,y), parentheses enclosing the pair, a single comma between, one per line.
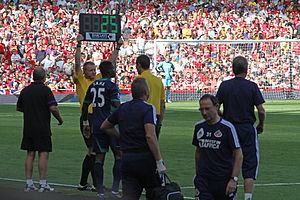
(42,33)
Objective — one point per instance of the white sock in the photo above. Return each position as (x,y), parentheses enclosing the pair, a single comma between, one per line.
(29,182)
(248,196)
(43,182)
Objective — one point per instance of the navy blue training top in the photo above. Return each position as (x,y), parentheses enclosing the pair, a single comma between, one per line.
(131,117)
(239,96)
(101,93)
(216,143)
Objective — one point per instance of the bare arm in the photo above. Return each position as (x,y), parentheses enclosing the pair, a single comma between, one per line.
(110,129)
(152,141)
(237,164)
(114,55)
(54,110)
(78,54)
(162,110)
(261,117)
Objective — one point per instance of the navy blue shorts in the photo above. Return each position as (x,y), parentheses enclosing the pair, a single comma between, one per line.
(249,144)
(101,143)
(206,189)
(138,172)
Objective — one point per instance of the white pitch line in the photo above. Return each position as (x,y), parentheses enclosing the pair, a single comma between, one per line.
(258,184)
(187,187)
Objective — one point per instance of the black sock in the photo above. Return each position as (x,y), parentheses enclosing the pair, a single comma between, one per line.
(85,170)
(92,164)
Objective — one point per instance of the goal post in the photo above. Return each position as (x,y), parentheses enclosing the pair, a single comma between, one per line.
(201,65)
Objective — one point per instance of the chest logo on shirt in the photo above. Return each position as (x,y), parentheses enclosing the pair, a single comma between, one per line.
(200,133)
(218,134)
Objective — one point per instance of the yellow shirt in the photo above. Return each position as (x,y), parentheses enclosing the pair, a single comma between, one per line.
(157,91)
(82,85)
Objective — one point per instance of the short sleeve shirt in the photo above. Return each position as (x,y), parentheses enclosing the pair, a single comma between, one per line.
(131,117)
(100,94)
(157,91)
(35,101)
(239,96)
(82,84)
(217,143)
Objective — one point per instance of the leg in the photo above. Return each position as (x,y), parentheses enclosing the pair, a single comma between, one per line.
(99,162)
(43,164)
(88,162)
(116,171)
(29,161)
(249,144)
(168,88)
(248,188)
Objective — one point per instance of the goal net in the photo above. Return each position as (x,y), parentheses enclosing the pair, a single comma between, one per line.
(201,65)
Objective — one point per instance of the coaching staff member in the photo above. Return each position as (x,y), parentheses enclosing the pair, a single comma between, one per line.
(239,97)
(141,156)
(157,91)
(218,155)
(36,101)
(83,79)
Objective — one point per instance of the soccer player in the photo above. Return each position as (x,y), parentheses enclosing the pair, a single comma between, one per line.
(37,102)
(141,156)
(218,155)
(239,97)
(103,94)
(157,92)
(167,67)
(83,79)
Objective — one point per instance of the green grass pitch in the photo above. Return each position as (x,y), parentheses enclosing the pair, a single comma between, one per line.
(279,149)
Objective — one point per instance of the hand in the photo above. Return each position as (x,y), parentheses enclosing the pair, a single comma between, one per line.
(120,42)
(60,122)
(80,38)
(260,128)
(161,168)
(231,187)
(86,131)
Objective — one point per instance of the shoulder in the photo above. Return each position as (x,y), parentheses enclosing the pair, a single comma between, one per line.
(78,75)
(199,123)
(149,106)
(227,124)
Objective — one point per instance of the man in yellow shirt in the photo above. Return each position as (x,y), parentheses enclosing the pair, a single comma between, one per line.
(83,78)
(157,91)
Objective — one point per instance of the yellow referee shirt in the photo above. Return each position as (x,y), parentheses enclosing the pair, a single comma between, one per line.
(157,91)
(82,85)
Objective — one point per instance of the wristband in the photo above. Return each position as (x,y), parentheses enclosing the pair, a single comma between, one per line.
(86,123)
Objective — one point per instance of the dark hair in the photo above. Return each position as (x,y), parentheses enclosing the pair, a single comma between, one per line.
(239,65)
(212,98)
(144,61)
(106,69)
(88,63)
(39,74)
(139,87)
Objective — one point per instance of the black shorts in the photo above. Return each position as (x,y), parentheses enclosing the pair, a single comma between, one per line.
(40,143)
(88,142)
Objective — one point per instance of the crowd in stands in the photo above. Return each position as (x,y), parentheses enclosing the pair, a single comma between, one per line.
(43,33)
